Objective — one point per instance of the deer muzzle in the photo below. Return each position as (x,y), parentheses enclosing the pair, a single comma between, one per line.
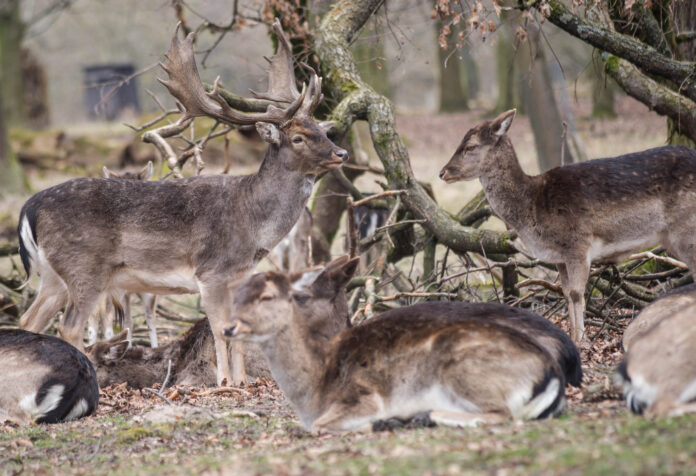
(338,158)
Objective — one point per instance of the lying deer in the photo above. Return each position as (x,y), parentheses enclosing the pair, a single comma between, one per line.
(658,372)
(199,234)
(122,299)
(44,379)
(597,211)
(395,365)
(320,295)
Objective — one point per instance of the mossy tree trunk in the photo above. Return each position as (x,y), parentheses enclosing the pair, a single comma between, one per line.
(11,36)
(358,100)
(11,177)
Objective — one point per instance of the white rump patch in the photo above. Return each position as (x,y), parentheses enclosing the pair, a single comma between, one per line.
(639,389)
(29,244)
(50,402)
(538,404)
(78,410)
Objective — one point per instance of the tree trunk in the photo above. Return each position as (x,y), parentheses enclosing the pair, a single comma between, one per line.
(540,103)
(11,36)
(453,90)
(11,178)
(603,89)
(371,61)
(508,86)
(685,16)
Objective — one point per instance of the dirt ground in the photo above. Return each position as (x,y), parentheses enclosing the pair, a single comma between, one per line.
(253,430)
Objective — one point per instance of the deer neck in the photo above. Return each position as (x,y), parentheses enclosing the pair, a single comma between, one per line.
(296,359)
(278,195)
(508,189)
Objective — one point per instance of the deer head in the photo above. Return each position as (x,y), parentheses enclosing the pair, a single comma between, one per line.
(474,148)
(292,129)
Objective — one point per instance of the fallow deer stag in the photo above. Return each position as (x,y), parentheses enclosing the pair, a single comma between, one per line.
(198,234)
(44,379)
(658,372)
(597,211)
(396,365)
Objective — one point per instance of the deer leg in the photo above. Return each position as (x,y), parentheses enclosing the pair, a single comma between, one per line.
(344,417)
(51,298)
(149,302)
(76,315)
(578,272)
(215,305)
(462,419)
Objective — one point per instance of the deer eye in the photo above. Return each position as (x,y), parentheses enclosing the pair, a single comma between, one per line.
(266,297)
(469,148)
(297,140)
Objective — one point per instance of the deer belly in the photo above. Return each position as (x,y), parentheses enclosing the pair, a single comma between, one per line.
(616,251)
(436,397)
(175,281)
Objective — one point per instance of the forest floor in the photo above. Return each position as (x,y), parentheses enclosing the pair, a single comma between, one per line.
(253,430)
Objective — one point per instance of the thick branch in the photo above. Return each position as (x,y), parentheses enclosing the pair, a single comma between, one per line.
(358,100)
(647,58)
(653,94)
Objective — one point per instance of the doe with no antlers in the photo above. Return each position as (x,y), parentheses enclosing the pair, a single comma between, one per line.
(597,211)
(396,365)
(89,236)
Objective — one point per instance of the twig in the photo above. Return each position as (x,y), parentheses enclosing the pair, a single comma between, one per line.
(540,282)
(664,259)
(352,229)
(386,193)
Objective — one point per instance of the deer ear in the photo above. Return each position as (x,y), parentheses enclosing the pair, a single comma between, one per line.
(501,124)
(116,350)
(107,172)
(268,132)
(341,275)
(146,173)
(302,282)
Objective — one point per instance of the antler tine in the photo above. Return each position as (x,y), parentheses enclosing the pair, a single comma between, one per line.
(281,74)
(185,85)
(313,97)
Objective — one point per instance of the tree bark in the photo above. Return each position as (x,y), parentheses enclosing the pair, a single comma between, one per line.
(11,36)
(11,176)
(453,93)
(359,100)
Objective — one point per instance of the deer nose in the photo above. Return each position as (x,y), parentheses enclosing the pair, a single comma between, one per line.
(229,332)
(442,174)
(341,154)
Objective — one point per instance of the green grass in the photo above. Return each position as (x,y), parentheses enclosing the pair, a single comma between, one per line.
(617,444)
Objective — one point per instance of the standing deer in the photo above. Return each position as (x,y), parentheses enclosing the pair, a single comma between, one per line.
(321,297)
(658,372)
(396,365)
(121,299)
(44,379)
(199,234)
(597,211)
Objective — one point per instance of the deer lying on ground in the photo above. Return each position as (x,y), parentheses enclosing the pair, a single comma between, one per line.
(398,364)
(658,372)
(321,296)
(44,379)
(200,234)
(597,211)
(120,299)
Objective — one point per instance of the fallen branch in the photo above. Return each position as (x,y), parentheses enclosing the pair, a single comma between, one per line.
(664,259)
(556,288)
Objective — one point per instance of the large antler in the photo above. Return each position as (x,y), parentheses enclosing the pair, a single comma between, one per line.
(185,85)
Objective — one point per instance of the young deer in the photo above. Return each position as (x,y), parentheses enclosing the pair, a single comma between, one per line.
(597,211)
(120,299)
(199,234)
(658,373)
(44,379)
(321,297)
(395,365)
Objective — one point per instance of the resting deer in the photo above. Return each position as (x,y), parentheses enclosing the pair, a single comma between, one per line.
(658,372)
(597,211)
(320,295)
(109,311)
(395,365)
(44,379)
(199,234)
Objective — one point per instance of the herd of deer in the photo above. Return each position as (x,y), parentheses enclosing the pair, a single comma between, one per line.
(98,240)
